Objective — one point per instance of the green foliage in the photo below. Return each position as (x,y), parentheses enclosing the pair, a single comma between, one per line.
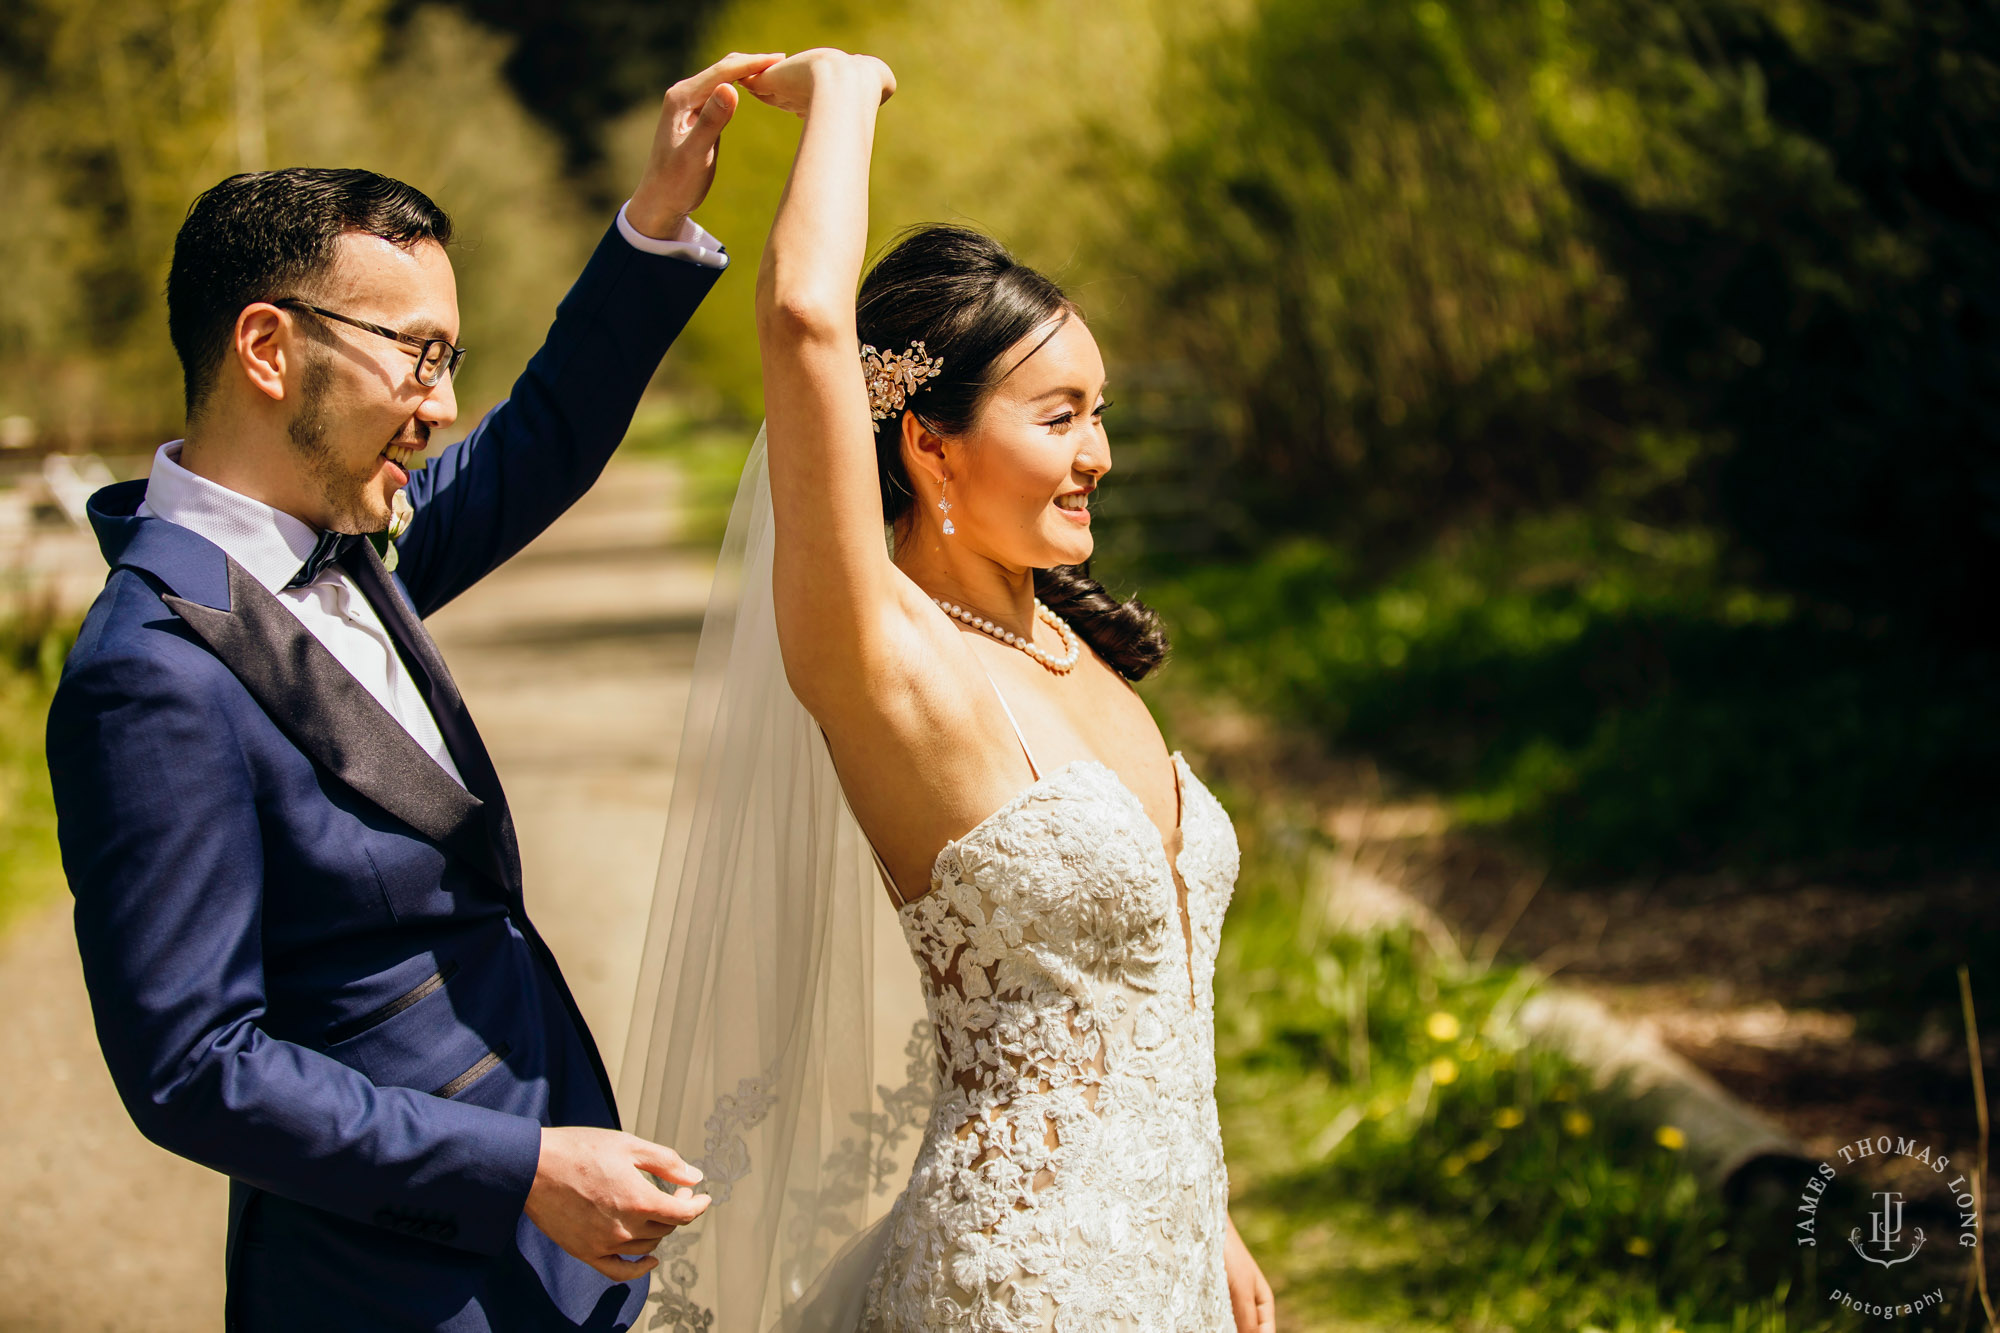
(577,66)
(1475,265)
(1404,1160)
(1021,117)
(1379,269)
(1604,691)
(114,115)
(1489,252)
(32,648)
(1625,372)
(1823,292)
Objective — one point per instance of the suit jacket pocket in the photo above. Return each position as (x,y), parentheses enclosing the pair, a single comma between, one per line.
(419,1040)
(477,1070)
(354,1027)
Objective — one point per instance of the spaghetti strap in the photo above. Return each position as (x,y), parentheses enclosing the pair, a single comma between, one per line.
(1033,767)
(882,869)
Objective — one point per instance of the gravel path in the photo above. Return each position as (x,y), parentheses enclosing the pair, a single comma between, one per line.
(574,659)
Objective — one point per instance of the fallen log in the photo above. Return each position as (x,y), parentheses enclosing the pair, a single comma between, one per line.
(1730,1146)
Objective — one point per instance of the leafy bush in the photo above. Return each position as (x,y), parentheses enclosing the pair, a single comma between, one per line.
(1602,690)
(1819,289)
(1378,269)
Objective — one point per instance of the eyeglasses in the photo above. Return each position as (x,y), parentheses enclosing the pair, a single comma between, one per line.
(436,357)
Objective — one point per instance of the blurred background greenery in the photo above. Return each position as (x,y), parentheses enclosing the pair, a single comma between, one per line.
(1584,408)
(1587,405)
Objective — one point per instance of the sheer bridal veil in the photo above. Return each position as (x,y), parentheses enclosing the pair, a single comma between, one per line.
(778,1039)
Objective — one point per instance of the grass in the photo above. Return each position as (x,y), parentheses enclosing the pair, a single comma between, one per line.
(32,647)
(1610,697)
(1402,1159)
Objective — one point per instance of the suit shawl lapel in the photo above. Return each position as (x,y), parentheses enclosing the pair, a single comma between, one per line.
(334,719)
(426,665)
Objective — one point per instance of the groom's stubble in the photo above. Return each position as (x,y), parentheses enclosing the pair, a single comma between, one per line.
(343,490)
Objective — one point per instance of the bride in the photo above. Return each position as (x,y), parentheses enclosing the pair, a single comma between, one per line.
(946,716)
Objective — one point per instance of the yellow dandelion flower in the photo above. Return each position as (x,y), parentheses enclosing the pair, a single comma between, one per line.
(1670,1138)
(1444,1070)
(1442,1026)
(1576,1124)
(1639,1245)
(1454,1164)
(1508,1117)
(1480,1151)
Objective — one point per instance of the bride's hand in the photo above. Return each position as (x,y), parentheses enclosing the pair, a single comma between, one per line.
(1249,1294)
(681,166)
(788,85)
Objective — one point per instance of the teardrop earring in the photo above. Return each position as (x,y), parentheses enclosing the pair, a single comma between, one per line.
(945,505)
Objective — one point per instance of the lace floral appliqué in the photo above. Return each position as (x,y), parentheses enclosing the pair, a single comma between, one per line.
(1071,1176)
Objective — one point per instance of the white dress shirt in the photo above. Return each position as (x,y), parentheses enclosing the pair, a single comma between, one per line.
(690,243)
(271,546)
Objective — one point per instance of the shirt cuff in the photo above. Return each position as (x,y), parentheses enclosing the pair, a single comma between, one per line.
(690,242)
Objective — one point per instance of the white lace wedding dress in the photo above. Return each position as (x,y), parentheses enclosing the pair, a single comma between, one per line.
(1058,1078)
(1071,1175)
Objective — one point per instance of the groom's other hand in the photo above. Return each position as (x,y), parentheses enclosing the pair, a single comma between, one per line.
(682,164)
(592,1197)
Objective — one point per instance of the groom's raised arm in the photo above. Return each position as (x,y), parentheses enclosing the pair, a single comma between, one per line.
(537,453)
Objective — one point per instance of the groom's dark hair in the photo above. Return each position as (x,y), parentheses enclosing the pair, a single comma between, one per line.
(267,234)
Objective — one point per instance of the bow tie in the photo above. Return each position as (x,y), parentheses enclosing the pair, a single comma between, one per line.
(330,547)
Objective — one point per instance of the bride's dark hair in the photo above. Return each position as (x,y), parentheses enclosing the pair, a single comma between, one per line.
(967,300)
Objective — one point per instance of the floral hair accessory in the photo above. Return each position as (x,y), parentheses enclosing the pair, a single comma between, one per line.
(893,376)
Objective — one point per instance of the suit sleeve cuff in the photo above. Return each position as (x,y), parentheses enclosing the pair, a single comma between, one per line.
(492,1165)
(691,243)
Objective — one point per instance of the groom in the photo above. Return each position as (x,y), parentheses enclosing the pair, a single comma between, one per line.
(298,893)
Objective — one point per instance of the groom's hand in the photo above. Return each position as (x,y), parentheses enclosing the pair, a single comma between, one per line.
(682,164)
(591,1196)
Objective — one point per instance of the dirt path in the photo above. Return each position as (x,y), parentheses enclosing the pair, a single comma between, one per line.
(574,660)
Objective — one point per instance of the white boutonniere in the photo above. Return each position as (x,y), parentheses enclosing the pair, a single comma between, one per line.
(401,511)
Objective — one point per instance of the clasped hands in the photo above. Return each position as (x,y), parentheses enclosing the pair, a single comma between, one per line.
(681,166)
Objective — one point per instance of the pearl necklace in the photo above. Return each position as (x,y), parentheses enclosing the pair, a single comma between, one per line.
(1059,665)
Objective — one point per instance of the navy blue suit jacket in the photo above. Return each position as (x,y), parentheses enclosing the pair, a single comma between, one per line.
(305,945)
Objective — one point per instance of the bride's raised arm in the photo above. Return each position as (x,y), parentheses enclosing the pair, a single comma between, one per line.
(832,579)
